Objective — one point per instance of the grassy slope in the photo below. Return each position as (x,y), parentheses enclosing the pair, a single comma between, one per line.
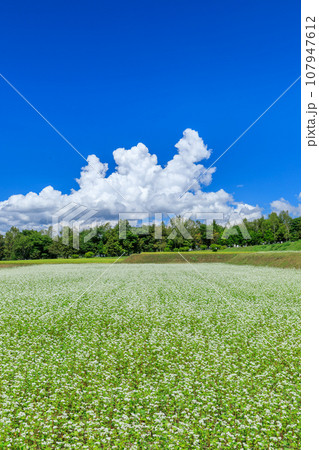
(273,259)
(286,246)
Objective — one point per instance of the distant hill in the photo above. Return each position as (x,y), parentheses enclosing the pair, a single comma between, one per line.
(286,246)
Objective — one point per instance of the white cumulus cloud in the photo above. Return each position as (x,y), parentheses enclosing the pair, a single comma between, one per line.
(138,184)
(283,205)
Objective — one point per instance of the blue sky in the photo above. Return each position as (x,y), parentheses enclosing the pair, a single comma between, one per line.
(112,74)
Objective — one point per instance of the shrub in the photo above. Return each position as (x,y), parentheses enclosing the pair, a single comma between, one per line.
(203,247)
(75,256)
(215,247)
(89,254)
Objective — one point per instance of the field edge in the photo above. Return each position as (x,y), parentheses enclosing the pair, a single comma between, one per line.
(271,259)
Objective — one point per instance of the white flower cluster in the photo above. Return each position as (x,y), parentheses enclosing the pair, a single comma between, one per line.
(151,356)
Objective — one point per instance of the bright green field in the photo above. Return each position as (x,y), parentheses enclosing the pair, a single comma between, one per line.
(98,260)
(286,246)
(149,357)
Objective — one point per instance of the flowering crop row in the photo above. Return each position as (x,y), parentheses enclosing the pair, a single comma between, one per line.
(150,356)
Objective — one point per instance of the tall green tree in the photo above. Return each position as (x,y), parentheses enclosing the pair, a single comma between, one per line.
(1,247)
(9,241)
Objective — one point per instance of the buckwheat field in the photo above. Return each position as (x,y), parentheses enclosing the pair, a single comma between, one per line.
(149,356)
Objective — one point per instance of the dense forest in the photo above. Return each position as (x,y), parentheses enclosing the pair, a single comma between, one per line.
(106,240)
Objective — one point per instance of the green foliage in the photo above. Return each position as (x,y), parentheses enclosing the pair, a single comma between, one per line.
(285,246)
(59,250)
(2,247)
(10,238)
(111,242)
(89,255)
(113,247)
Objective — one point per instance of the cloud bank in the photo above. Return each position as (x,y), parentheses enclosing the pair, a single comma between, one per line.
(283,205)
(138,184)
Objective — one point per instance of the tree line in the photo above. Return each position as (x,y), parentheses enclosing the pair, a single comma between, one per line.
(108,241)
